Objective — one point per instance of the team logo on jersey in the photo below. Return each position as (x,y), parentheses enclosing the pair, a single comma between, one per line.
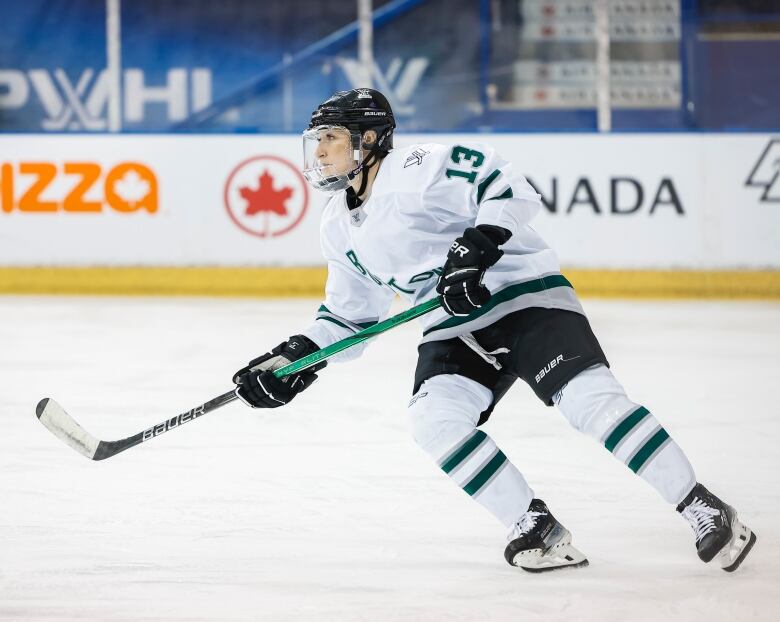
(766,172)
(266,196)
(416,157)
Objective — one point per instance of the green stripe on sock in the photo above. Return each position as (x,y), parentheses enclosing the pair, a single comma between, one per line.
(483,185)
(628,424)
(465,450)
(647,450)
(485,474)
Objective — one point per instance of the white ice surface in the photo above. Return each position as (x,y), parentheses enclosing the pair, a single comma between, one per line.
(327,510)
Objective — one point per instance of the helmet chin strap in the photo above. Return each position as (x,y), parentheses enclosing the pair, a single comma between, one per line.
(374,155)
(353,198)
(371,160)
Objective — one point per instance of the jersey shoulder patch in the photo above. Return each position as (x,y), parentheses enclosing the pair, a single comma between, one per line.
(418,156)
(416,166)
(415,156)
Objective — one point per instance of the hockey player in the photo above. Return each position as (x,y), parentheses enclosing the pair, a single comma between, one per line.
(453,221)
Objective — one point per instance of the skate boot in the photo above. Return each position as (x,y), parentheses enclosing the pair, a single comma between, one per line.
(539,543)
(717,529)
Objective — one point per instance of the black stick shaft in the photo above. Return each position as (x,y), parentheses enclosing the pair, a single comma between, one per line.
(106,449)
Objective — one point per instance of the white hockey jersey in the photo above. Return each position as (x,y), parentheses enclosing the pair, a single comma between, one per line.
(423,197)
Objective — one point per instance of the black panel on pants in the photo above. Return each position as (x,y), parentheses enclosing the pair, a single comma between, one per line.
(547,348)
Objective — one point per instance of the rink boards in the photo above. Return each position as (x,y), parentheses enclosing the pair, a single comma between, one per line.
(632,214)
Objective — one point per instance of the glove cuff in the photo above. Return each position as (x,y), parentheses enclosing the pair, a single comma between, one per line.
(497,235)
(489,253)
(296,347)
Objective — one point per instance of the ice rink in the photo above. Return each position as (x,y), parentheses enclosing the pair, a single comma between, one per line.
(327,510)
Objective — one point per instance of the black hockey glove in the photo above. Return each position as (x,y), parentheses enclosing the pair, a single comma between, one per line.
(470,255)
(258,387)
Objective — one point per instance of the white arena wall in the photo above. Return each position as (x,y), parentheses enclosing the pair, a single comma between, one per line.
(193,209)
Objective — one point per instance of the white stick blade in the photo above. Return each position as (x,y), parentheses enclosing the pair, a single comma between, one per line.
(65,428)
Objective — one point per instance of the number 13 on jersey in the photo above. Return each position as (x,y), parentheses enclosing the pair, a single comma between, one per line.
(462,155)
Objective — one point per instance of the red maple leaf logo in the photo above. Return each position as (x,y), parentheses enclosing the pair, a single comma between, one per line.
(265,198)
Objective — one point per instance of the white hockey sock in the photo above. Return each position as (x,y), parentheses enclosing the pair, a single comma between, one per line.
(444,414)
(595,403)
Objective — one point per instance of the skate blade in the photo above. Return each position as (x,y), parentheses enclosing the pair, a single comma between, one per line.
(734,553)
(560,556)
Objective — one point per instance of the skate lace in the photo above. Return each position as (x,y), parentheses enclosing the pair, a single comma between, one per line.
(701,517)
(523,526)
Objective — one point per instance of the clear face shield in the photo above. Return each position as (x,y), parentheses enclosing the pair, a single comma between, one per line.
(330,154)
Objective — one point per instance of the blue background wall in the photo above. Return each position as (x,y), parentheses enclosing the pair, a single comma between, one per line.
(728,84)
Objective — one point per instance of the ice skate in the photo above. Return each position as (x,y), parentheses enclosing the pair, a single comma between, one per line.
(717,528)
(539,543)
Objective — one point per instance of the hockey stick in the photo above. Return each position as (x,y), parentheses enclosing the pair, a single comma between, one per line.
(65,427)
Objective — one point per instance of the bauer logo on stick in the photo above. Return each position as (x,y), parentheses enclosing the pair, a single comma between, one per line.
(266,196)
(173,422)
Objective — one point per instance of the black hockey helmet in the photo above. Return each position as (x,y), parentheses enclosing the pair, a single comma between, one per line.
(358,110)
(353,113)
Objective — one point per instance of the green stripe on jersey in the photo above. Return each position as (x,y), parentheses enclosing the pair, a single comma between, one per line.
(463,452)
(628,424)
(506,194)
(513,291)
(483,185)
(479,480)
(639,459)
(324,309)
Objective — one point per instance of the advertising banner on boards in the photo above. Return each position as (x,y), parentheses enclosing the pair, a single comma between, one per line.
(154,201)
(643,201)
